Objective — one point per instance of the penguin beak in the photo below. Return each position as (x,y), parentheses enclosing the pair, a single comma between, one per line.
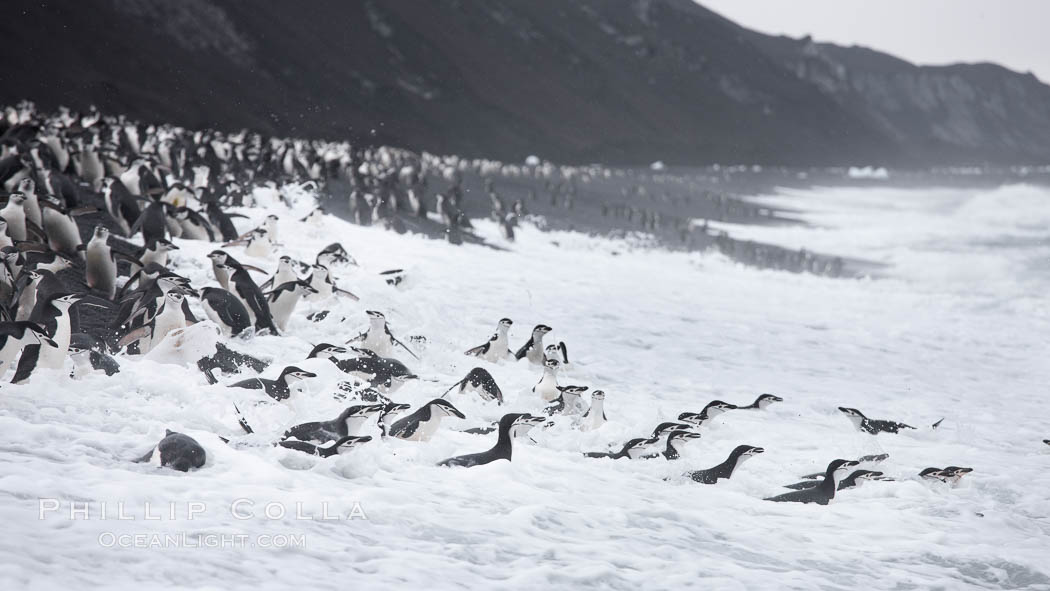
(756,451)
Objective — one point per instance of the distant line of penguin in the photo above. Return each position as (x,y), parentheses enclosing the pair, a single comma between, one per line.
(154,184)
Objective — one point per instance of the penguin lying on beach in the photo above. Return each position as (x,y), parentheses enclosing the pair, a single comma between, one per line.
(176,451)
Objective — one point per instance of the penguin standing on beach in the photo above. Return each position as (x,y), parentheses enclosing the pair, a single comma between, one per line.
(283,299)
(224,309)
(100,270)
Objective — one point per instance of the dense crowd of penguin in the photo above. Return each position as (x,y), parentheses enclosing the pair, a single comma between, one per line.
(94,205)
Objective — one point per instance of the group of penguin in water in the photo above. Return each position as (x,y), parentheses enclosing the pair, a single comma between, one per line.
(160,183)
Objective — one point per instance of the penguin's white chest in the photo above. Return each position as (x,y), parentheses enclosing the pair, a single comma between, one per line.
(170,319)
(498,349)
(378,341)
(547,388)
(426,429)
(51,357)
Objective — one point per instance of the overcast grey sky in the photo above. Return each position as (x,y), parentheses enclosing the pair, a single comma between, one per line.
(1008,32)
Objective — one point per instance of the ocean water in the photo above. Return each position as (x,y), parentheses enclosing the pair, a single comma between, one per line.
(952,324)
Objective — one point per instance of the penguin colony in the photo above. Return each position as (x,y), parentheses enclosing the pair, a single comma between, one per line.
(95,205)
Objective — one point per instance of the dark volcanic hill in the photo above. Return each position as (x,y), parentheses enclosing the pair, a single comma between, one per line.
(624,82)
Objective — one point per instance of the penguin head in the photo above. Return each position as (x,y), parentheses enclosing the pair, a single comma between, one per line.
(837,469)
(765,400)
(327,350)
(518,424)
(851,412)
(955,472)
(26,186)
(577,390)
(162,245)
(17,198)
(348,443)
(443,406)
(320,270)
(394,408)
(746,451)
(175,297)
(551,364)
(295,374)
(363,411)
(541,329)
(101,233)
(505,322)
(717,407)
(679,438)
(64,301)
(304,288)
(664,428)
(860,475)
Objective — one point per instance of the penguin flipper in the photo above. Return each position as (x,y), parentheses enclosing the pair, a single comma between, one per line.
(523,350)
(26,363)
(478,351)
(403,346)
(146,458)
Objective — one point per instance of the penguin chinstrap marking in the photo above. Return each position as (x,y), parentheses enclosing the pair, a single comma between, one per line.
(498,346)
(823,493)
(676,441)
(762,402)
(478,380)
(712,410)
(511,426)
(726,468)
(949,475)
(422,424)
(533,348)
(349,422)
(547,387)
(341,446)
(595,415)
(568,402)
(280,388)
(872,426)
(176,451)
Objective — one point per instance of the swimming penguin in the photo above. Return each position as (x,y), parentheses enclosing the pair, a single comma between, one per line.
(533,348)
(481,381)
(176,451)
(100,270)
(824,492)
(763,401)
(341,446)
(511,426)
(547,387)
(224,309)
(639,447)
(595,415)
(15,336)
(390,412)
(378,337)
(497,348)
(712,410)
(349,422)
(870,459)
(568,402)
(244,288)
(949,475)
(283,299)
(726,468)
(279,389)
(424,422)
(326,351)
(285,272)
(380,372)
(676,440)
(873,426)
(850,481)
(89,354)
